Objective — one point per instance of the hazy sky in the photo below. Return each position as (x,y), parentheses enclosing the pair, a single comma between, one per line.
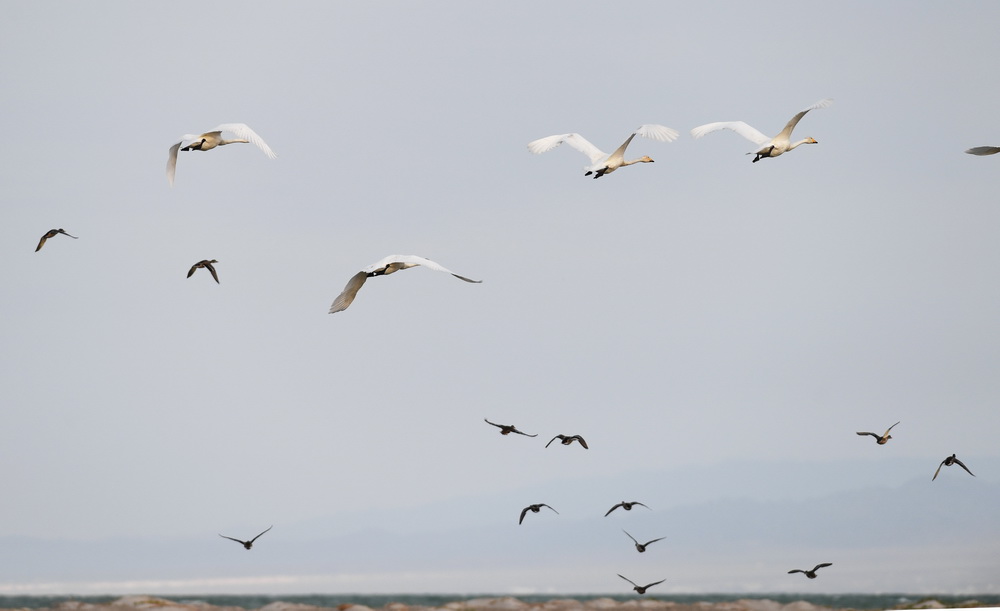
(695,312)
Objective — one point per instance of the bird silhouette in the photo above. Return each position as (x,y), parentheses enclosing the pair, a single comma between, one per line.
(880,439)
(624,505)
(247,544)
(51,233)
(602,163)
(207,265)
(641,547)
(638,588)
(810,574)
(507,429)
(534,509)
(568,439)
(951,460)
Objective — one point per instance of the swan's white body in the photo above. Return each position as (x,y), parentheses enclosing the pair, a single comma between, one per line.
(602,163)
(386,266)
(767,147)
(210,140)
(984,150)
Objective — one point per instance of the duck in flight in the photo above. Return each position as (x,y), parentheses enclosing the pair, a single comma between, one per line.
(51,233)
(507,429)
(211,139)
(533,509)
(641,547)
(205,263)
(568,439)
(624,505)
(638,588)
(247,544)
(951,460)
(388,265)
(811,574)
(880,439)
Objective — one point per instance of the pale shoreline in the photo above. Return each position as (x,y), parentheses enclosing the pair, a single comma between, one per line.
(500,603)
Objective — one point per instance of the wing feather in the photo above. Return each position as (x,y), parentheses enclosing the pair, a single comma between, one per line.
(243,131)
(350,291)
(172,163)
(739,127)
(984,150)
(576,141)
(787,132)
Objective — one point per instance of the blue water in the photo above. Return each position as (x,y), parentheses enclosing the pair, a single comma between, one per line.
(837,601)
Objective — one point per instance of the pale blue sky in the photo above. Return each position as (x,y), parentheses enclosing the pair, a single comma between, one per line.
(697,312)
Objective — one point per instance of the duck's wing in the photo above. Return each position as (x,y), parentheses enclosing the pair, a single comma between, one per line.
(739,127)
(350,291)
(582,441)
(499,426)
(939,469)
(243,131)
(190,272)
(172,163)
(41,242)
(866,433)
(549,506)
(612,509)
(627,579)
(795,571)
(237,540)
(551,440)
(821,565)
(638,503)
(523,512)
(525,434)
(787,132)
(655,583)
(258,536)
(626,532)
(654,541)
(211,268)
(576,141)
(890,428)
(984,150)
(961,464)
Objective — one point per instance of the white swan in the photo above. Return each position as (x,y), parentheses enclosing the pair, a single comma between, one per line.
(210,140)
(386,266)
(601,162)
(984,150)
(769,147)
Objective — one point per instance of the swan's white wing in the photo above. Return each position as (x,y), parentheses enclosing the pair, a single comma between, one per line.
(172,163)
(349,293)
(787,132)
(984,150)
(243,131)
(412,260)
(739,127)
(574,140)
(657,132)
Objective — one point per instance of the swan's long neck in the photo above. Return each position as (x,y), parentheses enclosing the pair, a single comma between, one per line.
(640,160)
(804,141)
(224,142)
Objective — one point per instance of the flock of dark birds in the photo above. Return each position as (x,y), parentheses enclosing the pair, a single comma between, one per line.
(601,164)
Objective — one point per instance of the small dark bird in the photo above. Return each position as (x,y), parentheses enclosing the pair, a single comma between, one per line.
(247,544)
(951,460)
(207,265)
(641,546)
(51,233)
(624,505)
(811,574)
(534,509)
(640,589)
(568,439)
(880,439)
(507,429)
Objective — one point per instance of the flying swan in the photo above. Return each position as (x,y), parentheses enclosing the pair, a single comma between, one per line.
(601,162)
(210,140)
(386,266)
(769,147)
